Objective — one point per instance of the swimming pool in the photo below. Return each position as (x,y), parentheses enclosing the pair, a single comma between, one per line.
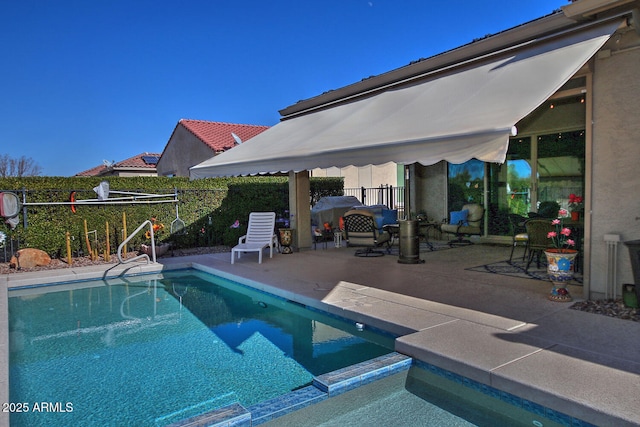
(158,349)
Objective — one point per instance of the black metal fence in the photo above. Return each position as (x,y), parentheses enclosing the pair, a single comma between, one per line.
(7,248)
(388,195)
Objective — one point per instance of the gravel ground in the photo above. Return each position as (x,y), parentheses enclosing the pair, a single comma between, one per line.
(609,308)
(86,261)
(603,307)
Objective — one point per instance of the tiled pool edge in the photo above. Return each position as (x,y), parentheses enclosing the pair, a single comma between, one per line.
(323,387)
(343,380)
(503,396)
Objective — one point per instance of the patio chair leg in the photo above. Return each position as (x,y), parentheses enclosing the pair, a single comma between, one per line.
(531,254)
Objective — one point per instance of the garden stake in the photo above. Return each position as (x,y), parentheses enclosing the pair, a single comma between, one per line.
(107,255)
(69,258)
(86,238)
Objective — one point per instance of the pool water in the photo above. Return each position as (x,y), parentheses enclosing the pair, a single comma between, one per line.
(414,397)
(156,350)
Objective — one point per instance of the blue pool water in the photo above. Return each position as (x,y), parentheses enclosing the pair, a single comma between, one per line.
(155,350)
(423,395)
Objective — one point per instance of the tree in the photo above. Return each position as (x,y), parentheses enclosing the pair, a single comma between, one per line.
(20,167)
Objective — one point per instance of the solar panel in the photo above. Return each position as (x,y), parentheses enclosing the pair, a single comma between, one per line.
(150,160)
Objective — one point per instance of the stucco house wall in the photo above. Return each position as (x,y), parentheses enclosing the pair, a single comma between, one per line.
(365,176)
(183,151)
(431,190)
(616,155)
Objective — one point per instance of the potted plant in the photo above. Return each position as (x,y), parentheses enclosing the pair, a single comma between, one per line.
(560,258)
(576,206)
(158,227)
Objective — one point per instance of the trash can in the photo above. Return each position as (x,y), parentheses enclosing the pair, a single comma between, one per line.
(634,253)
(409,242)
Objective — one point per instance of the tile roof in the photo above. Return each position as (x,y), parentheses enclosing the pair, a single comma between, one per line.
(138,161)
(217,135)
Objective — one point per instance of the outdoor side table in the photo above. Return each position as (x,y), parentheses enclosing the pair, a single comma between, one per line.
(424,228)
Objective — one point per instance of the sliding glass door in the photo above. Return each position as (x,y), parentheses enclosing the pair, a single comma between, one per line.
(511,186)
(545,163)
(540,173)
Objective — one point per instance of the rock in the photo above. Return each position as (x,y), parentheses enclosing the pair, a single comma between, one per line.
(29,258)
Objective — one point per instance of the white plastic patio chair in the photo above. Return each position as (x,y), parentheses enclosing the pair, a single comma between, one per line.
(260,234)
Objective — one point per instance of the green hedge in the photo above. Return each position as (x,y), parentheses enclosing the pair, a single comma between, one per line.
(207,206)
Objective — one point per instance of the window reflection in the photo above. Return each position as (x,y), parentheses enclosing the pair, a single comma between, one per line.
(466,184)
(561,166)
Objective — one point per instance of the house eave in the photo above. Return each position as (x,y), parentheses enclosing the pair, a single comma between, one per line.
(589,9)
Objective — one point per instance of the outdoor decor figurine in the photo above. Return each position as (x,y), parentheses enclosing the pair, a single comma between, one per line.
(560,259)
(286,240)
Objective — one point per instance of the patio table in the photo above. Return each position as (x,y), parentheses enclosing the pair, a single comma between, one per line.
(423,227)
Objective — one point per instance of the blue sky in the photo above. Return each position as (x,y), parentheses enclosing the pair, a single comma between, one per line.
(87,80)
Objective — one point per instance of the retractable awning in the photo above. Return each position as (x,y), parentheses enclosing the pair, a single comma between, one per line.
(465,111)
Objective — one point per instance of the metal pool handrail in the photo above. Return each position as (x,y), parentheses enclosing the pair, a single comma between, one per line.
(153,245)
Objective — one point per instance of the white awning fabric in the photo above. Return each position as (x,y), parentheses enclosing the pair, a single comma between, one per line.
(465,112)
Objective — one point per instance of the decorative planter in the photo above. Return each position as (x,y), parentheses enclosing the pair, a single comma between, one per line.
(286,240)
(575,216)
(560,264)
(160,249)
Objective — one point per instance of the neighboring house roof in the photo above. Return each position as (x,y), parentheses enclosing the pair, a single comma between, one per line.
(142,163)
(218,135)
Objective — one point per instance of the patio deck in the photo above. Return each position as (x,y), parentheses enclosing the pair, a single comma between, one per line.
(495,329)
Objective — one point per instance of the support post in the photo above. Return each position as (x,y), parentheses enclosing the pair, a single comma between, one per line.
(300,208)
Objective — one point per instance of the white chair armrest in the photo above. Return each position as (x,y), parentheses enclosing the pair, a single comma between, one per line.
(242,239)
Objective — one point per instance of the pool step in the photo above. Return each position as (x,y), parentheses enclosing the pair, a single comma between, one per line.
(348,378)
(234,414)
(323,387)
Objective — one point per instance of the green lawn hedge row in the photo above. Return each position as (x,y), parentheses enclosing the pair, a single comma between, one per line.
(208,207)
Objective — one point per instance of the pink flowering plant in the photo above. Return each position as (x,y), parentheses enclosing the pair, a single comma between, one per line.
(576,203)
(561,236)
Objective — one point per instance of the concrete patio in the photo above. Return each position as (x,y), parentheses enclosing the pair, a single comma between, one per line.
(498,330)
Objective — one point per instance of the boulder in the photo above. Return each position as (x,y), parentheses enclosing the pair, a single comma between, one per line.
(29,257)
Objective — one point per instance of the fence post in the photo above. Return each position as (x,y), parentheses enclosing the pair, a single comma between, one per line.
(364,195)
(24,208)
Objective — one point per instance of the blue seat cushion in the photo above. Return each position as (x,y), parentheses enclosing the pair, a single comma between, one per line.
(459,217)
(389,216)
(379,223)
